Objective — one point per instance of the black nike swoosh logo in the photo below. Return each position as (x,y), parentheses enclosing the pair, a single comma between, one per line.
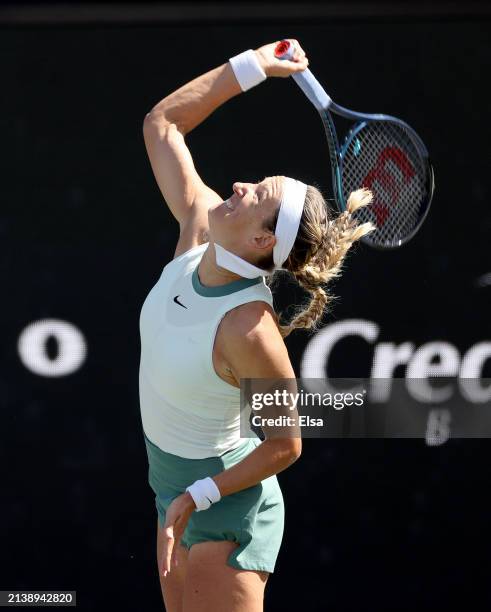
(177,302)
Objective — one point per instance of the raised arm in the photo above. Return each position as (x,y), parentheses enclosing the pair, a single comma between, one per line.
(165,128)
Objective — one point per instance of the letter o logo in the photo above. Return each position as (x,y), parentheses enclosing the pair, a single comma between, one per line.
(32,347)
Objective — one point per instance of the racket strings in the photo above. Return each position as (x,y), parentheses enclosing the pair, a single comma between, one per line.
(383,157)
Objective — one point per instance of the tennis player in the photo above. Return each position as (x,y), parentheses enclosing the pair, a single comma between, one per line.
(208,322)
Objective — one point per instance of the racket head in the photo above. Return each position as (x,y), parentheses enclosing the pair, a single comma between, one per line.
(386,155)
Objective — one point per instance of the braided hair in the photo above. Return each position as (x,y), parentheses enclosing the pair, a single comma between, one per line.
(318,253)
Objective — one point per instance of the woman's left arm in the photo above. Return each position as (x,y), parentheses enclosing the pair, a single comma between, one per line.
(253,349)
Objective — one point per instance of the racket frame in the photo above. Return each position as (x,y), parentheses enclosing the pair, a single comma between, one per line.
(314,91)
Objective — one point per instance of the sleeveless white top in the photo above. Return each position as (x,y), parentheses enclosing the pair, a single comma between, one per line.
(186,408)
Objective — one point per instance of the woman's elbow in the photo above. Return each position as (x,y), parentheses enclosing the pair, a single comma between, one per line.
(296,448)
(291,449)
(154,119)
(158,124)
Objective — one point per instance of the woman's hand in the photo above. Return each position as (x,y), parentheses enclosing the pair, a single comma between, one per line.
(176,519)
(274,67)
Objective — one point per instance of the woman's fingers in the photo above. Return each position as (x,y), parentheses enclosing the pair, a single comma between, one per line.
(276,67)
(301,64)
(298,52)
(174,562)
(167,549)
(299,61)
(173,534)
(177,517)
(177,538)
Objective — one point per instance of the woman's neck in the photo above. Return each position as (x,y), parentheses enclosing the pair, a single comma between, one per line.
(211,274)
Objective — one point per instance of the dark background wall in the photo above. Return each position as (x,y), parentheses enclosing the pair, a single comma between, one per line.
(377,524)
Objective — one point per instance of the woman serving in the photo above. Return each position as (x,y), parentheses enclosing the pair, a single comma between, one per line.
(208,322)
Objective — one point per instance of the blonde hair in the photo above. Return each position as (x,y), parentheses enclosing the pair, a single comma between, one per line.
(319,252)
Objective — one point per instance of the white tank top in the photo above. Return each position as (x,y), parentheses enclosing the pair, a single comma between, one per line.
(186,408)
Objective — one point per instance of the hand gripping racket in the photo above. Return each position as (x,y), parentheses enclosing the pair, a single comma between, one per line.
(381,153)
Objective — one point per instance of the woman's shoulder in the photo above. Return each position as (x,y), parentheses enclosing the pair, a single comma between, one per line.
(252,319)
(250,340)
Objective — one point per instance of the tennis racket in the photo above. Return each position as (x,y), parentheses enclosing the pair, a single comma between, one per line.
(381,153)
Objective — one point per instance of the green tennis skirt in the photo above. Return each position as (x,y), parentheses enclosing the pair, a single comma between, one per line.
(253,517)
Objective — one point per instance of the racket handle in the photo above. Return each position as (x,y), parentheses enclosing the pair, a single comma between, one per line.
(305,79)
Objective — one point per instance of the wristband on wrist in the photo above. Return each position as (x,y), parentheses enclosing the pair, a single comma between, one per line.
(204,493)
(247,69)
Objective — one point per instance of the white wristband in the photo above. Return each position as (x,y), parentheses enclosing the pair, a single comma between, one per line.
(204,493)
(247,69)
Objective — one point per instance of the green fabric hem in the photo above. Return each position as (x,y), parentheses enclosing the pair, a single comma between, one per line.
(255,567)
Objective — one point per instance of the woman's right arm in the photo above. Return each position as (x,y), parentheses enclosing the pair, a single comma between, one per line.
(164,129)
(166,125)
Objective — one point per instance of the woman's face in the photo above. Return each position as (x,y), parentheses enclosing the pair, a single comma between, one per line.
(238,223)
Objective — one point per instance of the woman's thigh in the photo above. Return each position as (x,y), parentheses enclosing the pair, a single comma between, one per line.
(213,586)
(172,585)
